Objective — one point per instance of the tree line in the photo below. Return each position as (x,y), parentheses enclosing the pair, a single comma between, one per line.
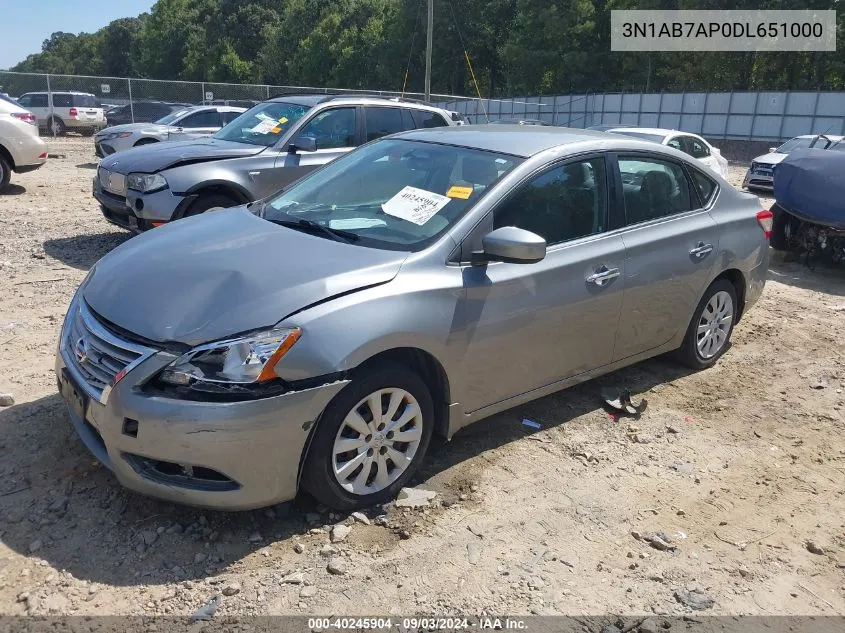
(516,47)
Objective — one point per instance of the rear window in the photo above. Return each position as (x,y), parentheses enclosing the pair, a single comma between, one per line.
(424,118)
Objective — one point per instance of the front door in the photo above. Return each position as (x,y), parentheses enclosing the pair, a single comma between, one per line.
(335,132)
(670,245)
(530,325)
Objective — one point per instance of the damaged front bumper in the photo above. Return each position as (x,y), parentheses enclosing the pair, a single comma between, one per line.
(222,455)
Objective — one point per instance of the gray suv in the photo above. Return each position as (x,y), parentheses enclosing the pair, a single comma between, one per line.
(261,151)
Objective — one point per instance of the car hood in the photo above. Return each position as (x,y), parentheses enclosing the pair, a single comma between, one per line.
(770,159)
(149,159)
(213,276)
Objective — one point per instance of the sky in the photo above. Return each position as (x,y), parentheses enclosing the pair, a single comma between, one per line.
(24,25)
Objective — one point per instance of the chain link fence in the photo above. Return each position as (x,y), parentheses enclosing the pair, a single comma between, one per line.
(127,100)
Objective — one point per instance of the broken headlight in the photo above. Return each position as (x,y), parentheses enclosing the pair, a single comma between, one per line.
(146,183)
(242,361)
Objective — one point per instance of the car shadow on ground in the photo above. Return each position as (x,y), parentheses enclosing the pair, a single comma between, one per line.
(13,190)
(58,504)
(83,251)
(88,165)
(819,276)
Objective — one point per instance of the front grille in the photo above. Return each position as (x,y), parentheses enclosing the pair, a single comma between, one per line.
(112,182)
(96,354)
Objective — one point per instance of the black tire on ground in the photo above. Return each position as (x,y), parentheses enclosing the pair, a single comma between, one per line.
(780,221)
(145,141)
(317,475)
(688,353)
(5,172)
(88,132)
(56,125)
(210,202)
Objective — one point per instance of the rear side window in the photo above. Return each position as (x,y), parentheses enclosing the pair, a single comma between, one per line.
(85,101)
(696,148)
(228,116)
(383,121)
(706,187)
(653,189)
(62,100)
(206,118)
(424,118)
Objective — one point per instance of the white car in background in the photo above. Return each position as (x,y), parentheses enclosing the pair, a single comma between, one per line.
(180,125)
(21,149)
(686,142)
(60,112)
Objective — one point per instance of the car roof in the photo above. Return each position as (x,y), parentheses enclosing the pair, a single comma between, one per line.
(517,140)
(832,137)
(652,130)
(315,99)
(59,92)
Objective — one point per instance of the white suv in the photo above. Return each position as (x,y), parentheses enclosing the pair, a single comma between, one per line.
(77,111)
(21,149)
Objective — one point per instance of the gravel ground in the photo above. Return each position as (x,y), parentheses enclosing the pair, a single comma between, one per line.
(741,467)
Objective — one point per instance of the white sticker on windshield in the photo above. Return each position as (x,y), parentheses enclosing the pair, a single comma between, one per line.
(356,223)
(415,205)
(264,127)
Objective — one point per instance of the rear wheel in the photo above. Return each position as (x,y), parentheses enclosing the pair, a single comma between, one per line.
(56,126)
(5,173)
(210,202)
(710,330)
(371,439)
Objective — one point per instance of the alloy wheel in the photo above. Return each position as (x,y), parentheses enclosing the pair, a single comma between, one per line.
(714,325)
(377,441)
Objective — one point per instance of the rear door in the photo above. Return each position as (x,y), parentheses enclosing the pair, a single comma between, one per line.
(532,325)
(380,121)
(336,131)
(670,242)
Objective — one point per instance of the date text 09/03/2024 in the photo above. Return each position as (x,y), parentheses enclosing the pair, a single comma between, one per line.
(417,623)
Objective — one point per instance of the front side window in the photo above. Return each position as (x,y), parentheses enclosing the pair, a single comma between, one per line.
(333,129)
(394,194)
(206,118)
(169,119)
(561,204)
(383,121)
(653,189)
(264,124)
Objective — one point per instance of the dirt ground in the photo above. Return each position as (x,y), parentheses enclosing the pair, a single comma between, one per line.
(742,467)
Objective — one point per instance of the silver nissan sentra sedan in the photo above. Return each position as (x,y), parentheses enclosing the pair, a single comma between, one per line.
(318,338)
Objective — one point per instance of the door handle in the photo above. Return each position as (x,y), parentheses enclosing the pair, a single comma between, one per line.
(701,250)
(603,276)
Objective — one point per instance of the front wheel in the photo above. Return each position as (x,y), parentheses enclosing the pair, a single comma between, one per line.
(711,326)
(370,440)
(5,173)
(210,202)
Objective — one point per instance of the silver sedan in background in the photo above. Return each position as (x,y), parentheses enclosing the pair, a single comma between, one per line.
(181,125)
(318,338)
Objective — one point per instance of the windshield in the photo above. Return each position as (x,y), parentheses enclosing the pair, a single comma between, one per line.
(799,143)
(654,138)
(170,118)
(264,124)
(392,194)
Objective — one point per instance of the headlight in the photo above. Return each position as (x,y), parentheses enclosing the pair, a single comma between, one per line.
(113,135)
(146,182)
(243,361)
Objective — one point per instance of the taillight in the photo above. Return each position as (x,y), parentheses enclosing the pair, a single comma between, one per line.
(73,112)
(766,220)
(26,117)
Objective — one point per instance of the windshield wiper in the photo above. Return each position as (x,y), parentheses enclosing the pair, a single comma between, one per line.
(339,235)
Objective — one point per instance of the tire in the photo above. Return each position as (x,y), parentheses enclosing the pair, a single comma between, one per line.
(210,202)
(5,173)
(89,131)
(690,353)
(56,126)
(376,454)
(780,221)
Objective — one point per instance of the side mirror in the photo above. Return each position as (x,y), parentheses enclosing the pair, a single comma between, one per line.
(303,144)
(772,150)
(513,245)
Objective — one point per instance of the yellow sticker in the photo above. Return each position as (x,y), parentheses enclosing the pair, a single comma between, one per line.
(283,120)
(276,130)
(459,192)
